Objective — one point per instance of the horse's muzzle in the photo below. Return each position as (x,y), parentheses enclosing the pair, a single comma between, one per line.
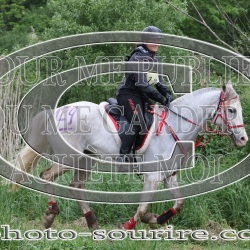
(239,140)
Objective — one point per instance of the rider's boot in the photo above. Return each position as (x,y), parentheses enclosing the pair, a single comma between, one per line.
(124,155)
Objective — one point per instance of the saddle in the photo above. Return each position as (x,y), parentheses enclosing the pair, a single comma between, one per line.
(122,125)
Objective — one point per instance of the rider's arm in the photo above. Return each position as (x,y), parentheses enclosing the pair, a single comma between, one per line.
(162,87)
(145,88)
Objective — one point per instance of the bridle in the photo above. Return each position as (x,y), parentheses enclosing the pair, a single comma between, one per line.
(221,112)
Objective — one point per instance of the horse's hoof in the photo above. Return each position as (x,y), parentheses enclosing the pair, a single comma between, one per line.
(48,220)
(94,227)
(150,218)
(120,226)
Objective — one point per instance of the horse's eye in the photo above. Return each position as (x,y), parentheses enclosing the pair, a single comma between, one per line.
(232,111)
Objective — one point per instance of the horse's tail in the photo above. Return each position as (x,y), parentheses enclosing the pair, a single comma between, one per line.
(27,159)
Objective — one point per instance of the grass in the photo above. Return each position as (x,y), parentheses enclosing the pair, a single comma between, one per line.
(227,208)
(223,209)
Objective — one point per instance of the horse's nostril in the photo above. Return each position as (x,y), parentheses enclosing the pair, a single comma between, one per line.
(243,138)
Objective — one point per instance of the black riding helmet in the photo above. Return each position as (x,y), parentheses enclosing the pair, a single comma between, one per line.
(151,33)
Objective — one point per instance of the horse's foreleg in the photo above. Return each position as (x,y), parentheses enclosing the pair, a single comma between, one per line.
(148,192)
(80,177)
(171,183)
(50,175)
(178,205)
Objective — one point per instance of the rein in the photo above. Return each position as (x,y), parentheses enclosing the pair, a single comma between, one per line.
(219,113)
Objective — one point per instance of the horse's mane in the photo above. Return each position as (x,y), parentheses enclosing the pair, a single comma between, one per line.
(192,95)
(230,93)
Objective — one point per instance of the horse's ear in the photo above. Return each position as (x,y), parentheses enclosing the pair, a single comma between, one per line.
(224,87)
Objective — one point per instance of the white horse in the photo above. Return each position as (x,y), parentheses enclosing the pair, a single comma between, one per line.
(86,132)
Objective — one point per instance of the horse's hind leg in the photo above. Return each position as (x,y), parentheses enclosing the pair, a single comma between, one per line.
(26,160)
(50,175)
(80,177)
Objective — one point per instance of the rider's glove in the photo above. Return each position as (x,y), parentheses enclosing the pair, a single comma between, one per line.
(169,99)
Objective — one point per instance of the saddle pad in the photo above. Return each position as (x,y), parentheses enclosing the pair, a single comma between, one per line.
(113,127)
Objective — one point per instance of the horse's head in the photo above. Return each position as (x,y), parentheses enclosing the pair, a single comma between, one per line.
(229,115)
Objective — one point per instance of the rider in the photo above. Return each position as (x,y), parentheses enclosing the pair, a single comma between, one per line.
(135,89)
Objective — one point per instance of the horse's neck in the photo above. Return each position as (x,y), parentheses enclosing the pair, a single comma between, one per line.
(198,107)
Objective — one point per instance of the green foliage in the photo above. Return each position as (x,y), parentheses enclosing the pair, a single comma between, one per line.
(32,3)
(104,15)
(11,12)
(227,18)
(82,16)
(18,32)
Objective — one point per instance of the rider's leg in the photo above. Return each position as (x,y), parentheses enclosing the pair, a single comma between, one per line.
(127,144)
(133,111)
